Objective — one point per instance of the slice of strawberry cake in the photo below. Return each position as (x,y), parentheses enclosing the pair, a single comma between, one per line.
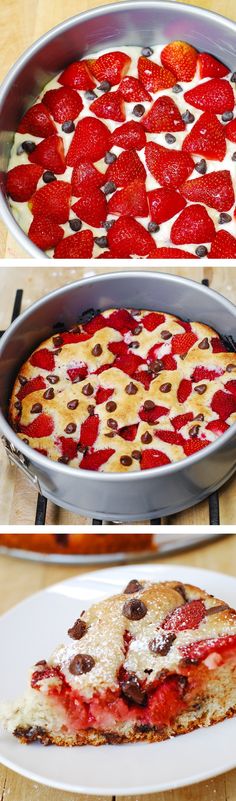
(129,154)
(125,390)
(169,668)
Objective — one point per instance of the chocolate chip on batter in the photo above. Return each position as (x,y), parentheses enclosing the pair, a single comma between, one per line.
(110,157)
(70,428)
(146,438)
(108,224)
(49,394)
(147,51)
(204,344)
(166,335)
(22,379)
(230,368)
(214,610)
(57,341)
(201,251)
(90,94)
(153,227)
(72,404)
(126,460)
(18,405)
(75,224)
(234,156)
(81,663)
(111,406)
(133,586)
(224,218)
(194,431)
(97,350)
(138,110)
(109,187)
(36,408)
(177,88)
(68,126)
(148,404)
(233,77)
(137,330)
(170,139)
(87,389)
(156,366)
(136,455)
(48,177)
(63,459)
(227,116)
(131,388)
(188,117)
(165,387)
(78,630)
(200,389)
(199,417)
(201,166)
(53,379)
(28,146)
(101,241)
(110,435)
(104,86)
(112,423)
(134,610)
(91,410)
(132,690)
(134,345)
(162,643)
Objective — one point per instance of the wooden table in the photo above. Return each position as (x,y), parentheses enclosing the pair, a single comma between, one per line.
(18,579)
(22,23)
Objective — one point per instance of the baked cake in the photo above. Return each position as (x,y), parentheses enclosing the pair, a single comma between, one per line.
(66,544)
(127,390)
(130,153)
(169,668)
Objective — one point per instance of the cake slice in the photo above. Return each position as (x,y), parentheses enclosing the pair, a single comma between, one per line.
(157,660)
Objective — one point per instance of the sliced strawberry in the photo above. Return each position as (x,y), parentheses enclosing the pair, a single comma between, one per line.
(45,233)
(230,130)
(133,91)
(153,320)
(169,436)
(127,237)
(192,225)
(41,426)
(77,373)
(215,190)
(95,324)
(151,415)
(223,403)
(215,95)
(126,168)
(78,76)
(128,432)
(169,167)
(111,67)
(200,650)
(173,253)
(181,343)
(89,430)
(90,142)
(50,154)
(231,386)
(33,385)
(78,246)
(67,337)
(103,394)
(181,420)
(181,58)
(64,104)
(217,345)
(169,362)
(37,121)
(129,136)
(206,138)
(92,461)
(122,321)
(110,106)
(210,67)
(153,77)
(131,200)
(129,363)
(52,201)
(217,427)
(92,208)
(164,204)
(187,616)
(223,246)
(184,390)
(194,445)
(153,458)
(164,115)
(44,359)
(21,181)
(86,178)
(68,447)
(201,373)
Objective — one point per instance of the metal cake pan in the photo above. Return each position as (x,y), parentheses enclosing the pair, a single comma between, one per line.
(127,496)
(131,23)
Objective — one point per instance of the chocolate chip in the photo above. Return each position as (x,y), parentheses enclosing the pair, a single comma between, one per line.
(166,335)
(147,51)
(90,94)
(70,428)
(188,117)
(162,643)
(224,218)
(81,663)
(111,406)
(126,460)
(49,394)
(28,146)
(134,610)
(82,448)
(36,408)
(18,406)
(78,630)
(227,116)
(165,387)
(97,350)
(91,410)
(233,77)
(177,88)
(87,389)
(72,404)
(31,734)
(57,341)
(109,187)
(138,110)
(22,379)
(230,368)
(180,588)
(137,330)
(156,366)
(134,345)
(201,166)
(63,459)
(234,156)
(133,586)
(146,438)
(108,224)
(48,177)
(132,690)
(214,610)
(104,86)
(204,344)
(110,435)
(194,431)
(112,423)
(199,417)
(131,389)
(200,389)
(148,404)
(101,241)
(75,224)
(53,379)
(68,126)
(110,157)
(170,139)
(153,227)
(136,455)
(26,440)
(201,251)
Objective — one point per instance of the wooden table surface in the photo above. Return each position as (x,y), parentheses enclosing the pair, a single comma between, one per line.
(22,23)
(18,579)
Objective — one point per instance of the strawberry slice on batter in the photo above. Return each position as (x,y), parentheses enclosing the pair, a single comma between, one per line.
(45,233)
(129,136)
(181,58)
(126,169)
(89,430)
(211,67)
(133,91)
(206,138)
(90,142)
(169,167)
(50,154)
(64,104)
(187,616)
(92,208)
(52,201)
(111,67)
(128,237)
(153,77)
(37,121)
(78,76)
(33,385)
(95,459)
(132,200)
(21,181)
(193,225)
(164,115)
(86,178)
(110,106)
(184,390)
(215,190)
(215,95)
(223,246)
(164,204)
(41,426)
(224,404)
(44,359)
(153,458)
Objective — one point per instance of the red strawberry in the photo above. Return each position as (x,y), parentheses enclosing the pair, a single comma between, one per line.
(92,461)
(223,246)
(33,385)
(90,142)
(86,178)
(194,445)
(200,650)
(202,372)
(22,181)
(217,426)
(50,154)
(92,208)
(64,104)
(187,616)
(151,415)
(169,362)
(231,386)
(127,237)
(67,337)
(110,106)
(173,253)
(126,168)
(164,204)
(181,420)
(103,394)
(133,91)
(153,458)
(52,201)
(122,321)
(78,246)
(95,324)
(77,373)
(128,432)
(192,225)
(230,131)
(217,345)
(223,403)
(111,67)
(164,115)
(44,359)
(184,390)
(215,95)
(169,436)
(181,343)
(210,67)
(131,200)
(78,76)
(45,233)
(152,320)
(153,77)
(206,138)
(169,167)
(215,190)
(68,447)
(180,57)
(41,426)
(37,121)
(89,430)
(129,363)
(129,136)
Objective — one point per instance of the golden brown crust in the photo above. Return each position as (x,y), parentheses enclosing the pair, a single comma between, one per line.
(78,543)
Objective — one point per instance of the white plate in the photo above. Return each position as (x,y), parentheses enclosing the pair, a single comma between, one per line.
(30,631)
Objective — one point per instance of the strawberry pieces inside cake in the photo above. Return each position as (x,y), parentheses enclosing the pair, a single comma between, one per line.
(169,668)
(125,390)
(128,153)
